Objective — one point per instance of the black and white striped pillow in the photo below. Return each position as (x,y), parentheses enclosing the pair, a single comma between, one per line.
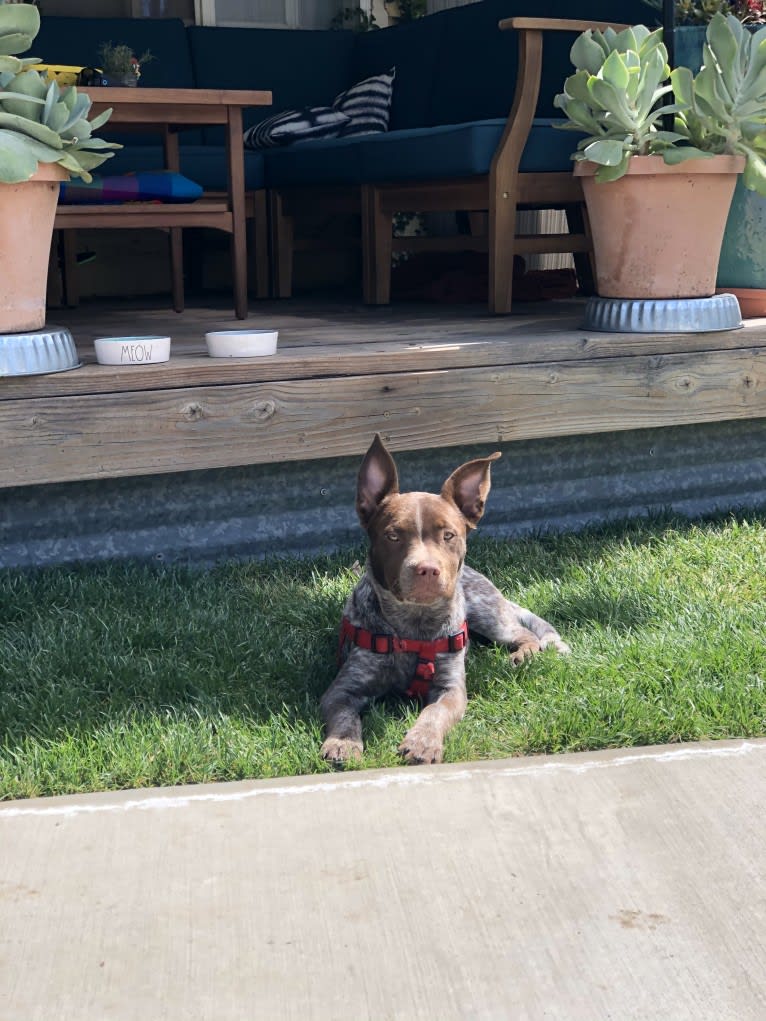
(367,104)
(296,126)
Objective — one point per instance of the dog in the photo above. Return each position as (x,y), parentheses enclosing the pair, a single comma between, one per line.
(405,625)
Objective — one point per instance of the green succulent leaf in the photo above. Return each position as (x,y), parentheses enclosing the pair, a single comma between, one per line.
(754,176)
(679,154)
(19,19)
(613,173)
(33,129)
(576,86)
(20,155)
(586,53)
(29,90)
(615,71)
(100,121)
(608,152)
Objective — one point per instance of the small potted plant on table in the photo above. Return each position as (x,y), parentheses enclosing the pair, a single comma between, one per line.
(119,65)
(658,197)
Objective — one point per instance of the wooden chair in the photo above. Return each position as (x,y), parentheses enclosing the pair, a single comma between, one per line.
(499,194)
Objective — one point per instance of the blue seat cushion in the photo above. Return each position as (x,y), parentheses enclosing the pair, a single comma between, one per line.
(475,72)
(326,161)
(412,49)
(205,164)
(300,68)
(460,150)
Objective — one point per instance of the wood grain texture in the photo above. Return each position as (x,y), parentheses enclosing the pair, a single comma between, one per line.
(333,340)
(146,432)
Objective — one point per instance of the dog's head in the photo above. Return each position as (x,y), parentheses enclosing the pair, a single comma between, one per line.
(417,540)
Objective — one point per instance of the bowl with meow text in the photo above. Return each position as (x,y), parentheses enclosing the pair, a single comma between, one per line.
(241,343)
(132,350)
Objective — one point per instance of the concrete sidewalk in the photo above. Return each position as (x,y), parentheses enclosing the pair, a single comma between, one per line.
(609,885)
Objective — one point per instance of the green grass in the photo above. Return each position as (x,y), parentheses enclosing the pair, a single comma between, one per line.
(129,675)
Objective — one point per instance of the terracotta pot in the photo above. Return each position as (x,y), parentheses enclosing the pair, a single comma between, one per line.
(657,231)
(752,300)
(27,211)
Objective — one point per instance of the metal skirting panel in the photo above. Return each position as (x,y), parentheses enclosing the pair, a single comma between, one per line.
(306,507)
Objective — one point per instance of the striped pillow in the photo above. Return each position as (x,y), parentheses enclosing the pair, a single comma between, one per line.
(367,104)
(296,126)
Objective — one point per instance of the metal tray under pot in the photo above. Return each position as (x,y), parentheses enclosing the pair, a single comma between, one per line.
(32,354)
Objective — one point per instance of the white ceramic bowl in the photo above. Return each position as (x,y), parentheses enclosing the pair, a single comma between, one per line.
(132,350)
(241,343)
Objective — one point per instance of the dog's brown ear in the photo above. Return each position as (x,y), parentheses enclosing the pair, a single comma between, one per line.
(377,480)
(468,487)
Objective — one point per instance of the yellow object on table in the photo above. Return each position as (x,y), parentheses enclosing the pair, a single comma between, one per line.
(64,74)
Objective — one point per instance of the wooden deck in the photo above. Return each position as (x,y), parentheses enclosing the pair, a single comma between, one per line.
(422,376)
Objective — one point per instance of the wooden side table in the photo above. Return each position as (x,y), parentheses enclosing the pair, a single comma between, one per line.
(170,110)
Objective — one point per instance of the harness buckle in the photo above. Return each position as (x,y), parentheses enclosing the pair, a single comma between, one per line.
(382,644)
(458,642)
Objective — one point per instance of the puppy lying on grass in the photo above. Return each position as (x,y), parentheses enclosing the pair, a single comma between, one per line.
(405,626)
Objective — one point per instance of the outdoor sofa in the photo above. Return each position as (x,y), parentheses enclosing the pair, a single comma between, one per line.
(461,135)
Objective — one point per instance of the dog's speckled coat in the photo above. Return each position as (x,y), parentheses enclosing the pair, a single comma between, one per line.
(417,586)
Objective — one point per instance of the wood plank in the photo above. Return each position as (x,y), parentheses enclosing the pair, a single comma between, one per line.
(140,215)
(147,432)
(558,25)
(321,349)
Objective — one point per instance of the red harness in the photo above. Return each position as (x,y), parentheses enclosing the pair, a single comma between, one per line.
(386,644)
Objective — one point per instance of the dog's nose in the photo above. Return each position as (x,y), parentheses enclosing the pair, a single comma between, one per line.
(427,571)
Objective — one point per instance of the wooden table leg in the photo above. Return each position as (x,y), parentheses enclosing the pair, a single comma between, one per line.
(173,162)
(236,157)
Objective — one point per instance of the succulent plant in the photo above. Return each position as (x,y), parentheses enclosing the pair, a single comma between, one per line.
(724,107)
(617,98)
(39,121)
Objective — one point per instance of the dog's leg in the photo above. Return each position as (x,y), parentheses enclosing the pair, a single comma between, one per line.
(358,681)
(499,620)
(424,741)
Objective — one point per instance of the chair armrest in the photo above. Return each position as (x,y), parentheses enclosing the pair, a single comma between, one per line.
(557,25)
(507,156)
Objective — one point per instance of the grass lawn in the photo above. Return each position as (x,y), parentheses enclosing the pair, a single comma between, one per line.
(130,675)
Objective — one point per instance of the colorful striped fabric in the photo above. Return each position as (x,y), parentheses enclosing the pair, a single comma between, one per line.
(146,186)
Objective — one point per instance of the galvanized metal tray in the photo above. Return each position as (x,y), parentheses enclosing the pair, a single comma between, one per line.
(669,315)
(51,349)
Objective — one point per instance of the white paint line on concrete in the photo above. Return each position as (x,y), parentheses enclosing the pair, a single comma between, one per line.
(150,800)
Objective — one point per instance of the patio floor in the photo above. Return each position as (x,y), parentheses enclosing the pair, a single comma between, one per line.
(424,376)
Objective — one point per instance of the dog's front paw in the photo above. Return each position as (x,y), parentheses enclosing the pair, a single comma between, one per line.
(341,749)
(421,746)
(559,645)
(524,649)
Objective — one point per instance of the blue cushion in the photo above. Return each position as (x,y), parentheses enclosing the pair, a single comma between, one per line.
(329,161)
(300,68)
(412,49)
(475,73)
(205,164)
(459,150)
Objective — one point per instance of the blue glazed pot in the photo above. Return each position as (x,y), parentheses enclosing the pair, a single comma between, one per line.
(742,265)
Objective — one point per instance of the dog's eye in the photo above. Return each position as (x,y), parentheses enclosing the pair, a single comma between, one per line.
(449,536)
(392,536)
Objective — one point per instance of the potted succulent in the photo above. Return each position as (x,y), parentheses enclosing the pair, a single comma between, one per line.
(119,65)
(45,136)
(644,181)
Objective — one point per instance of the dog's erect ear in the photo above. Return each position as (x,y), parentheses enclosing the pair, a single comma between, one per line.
(377,480)
(468,487)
